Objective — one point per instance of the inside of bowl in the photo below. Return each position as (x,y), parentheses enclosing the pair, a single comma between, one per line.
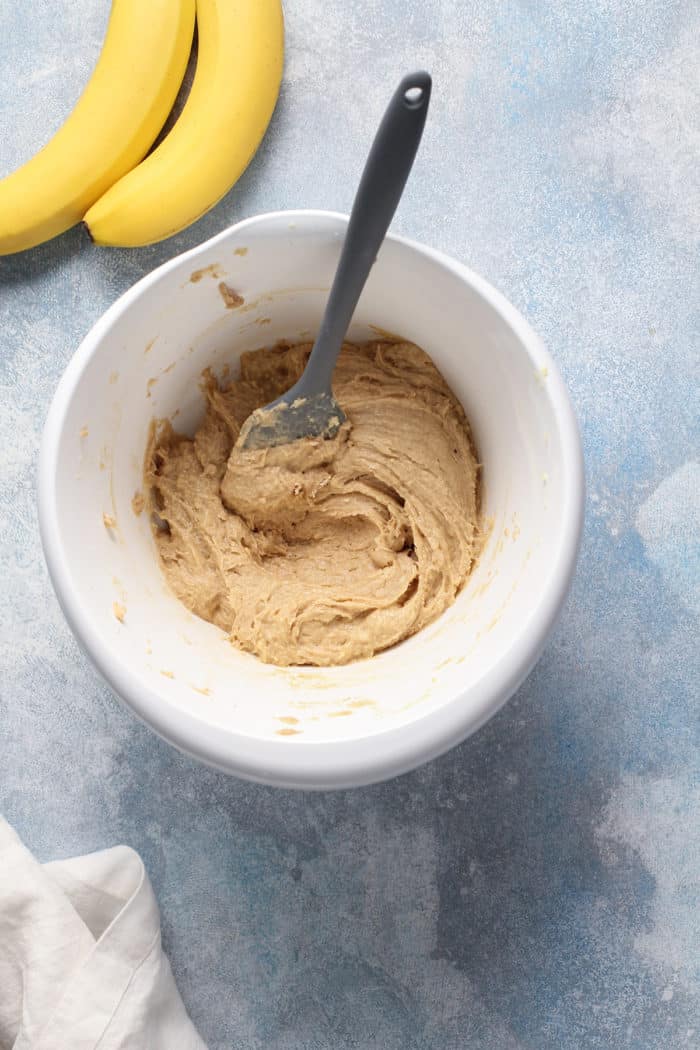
(243,293)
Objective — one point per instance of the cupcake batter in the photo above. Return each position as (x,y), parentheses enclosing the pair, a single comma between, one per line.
(322,551)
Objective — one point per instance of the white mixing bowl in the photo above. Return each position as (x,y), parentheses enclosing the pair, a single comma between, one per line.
(306,727)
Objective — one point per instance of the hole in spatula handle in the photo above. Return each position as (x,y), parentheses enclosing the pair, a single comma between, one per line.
(413,97)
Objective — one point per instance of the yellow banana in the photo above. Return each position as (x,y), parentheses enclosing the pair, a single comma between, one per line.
(235,88)
(115,121)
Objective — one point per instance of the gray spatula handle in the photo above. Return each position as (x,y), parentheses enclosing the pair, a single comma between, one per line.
(386,171)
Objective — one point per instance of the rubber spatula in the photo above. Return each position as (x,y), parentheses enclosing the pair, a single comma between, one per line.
(309,409)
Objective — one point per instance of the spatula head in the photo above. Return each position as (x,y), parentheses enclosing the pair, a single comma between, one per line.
(312,415)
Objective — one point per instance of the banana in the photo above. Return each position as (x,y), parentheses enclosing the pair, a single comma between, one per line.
(235,88)
(115,121)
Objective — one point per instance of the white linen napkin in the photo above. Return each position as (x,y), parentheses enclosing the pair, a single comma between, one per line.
(81,963)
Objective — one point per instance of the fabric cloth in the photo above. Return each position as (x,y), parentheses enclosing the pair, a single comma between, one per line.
(81,962)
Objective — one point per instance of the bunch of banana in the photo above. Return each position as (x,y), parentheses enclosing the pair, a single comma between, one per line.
(90,169)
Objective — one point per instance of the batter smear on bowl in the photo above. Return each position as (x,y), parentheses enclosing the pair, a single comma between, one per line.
(321,551)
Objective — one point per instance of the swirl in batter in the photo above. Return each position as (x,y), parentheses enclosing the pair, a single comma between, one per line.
(322,552)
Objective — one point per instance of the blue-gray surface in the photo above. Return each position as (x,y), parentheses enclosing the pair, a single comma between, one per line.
(537,887)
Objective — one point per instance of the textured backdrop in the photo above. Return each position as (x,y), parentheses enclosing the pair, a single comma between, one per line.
(537,887)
